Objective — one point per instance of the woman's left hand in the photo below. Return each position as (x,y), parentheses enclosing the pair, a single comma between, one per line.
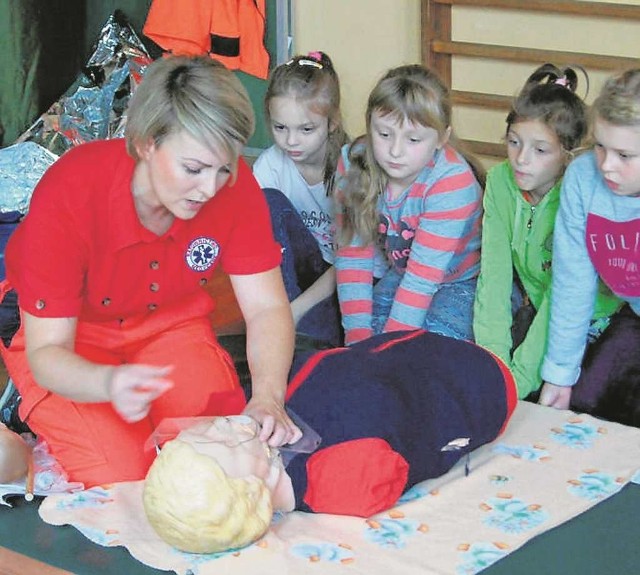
(277,427)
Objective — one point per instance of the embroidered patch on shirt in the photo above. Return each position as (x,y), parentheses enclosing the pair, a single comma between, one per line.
(201,254)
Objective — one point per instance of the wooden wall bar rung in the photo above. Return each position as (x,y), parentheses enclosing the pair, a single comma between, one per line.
(488,101)
(517,54)
(439,47)
(571,7)
(489,149)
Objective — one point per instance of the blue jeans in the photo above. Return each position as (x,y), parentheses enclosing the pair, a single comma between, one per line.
(302,264)
(450,312)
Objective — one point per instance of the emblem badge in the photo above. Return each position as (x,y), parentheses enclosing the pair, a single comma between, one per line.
(201,254)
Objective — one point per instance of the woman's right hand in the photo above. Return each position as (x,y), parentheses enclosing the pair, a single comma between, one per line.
(557,396)
(133,387)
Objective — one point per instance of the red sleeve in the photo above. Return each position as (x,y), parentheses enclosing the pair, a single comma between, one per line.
(251,247)
(48,253)
(359,477)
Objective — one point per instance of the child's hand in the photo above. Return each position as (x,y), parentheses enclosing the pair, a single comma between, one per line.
(557,396)
(132,388)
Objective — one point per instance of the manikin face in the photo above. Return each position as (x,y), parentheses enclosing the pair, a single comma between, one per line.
(180,174)
(617,150)
(536,156)
(233,442)
(402,148)
(299,131)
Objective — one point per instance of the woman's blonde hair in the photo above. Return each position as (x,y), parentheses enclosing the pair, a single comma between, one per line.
(619,100)
(410,92)
(197,95)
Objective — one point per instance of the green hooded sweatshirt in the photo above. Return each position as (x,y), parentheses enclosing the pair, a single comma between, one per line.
(519,236)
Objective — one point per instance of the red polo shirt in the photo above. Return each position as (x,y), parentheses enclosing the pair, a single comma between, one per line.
(82,251)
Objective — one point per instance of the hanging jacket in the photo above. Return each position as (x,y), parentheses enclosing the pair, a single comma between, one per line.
(231,31)
(519,236)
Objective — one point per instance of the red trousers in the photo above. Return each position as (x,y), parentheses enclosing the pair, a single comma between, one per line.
(91,441)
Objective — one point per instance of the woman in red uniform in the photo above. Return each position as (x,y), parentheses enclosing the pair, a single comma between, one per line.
(109,266)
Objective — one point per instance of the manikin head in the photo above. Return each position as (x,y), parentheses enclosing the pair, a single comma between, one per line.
(215,486)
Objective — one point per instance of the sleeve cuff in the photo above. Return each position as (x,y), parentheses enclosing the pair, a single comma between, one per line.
(558,375)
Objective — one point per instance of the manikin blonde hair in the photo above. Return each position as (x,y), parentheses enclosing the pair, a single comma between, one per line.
(194,506)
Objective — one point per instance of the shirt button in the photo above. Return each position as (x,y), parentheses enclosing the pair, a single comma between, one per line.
(152,306)
(203,281)
(40,304)
(154,265)
(106,301)
(154,286)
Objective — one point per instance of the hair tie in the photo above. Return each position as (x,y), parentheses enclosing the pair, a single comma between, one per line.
(305,62)
(316,55)
(562,81)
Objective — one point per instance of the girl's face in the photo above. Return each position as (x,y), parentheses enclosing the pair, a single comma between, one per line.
(402,148)
(617,150)
(536,156)
(298,131)
(180,175)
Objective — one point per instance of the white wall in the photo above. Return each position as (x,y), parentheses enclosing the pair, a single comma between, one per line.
(364,38)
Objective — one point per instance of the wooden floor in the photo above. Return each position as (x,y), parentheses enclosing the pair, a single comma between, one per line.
(12,563)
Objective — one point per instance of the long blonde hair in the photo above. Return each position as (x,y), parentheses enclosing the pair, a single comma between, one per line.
(312,79)
(413,93)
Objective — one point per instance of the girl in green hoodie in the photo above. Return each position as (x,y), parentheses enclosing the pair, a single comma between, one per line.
(546,124)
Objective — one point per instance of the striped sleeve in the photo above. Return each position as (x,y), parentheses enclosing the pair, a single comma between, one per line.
(354,278)
(446,246)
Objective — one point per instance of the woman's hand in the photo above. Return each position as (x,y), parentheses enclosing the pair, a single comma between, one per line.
(270,341)
(557,396)
(277,427)
(132,388)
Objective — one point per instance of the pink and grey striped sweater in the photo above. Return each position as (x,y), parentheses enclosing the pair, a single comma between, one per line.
(430,234)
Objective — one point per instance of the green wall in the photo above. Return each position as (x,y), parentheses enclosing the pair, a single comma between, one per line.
(44,44)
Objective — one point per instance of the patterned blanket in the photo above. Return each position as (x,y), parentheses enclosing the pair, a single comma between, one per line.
(548,467)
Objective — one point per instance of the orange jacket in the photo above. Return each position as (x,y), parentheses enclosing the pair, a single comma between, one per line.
(231,31)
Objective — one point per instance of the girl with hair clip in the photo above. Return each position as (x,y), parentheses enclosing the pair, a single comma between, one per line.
(302,106)
(411,215)
(546,123)
(597,237)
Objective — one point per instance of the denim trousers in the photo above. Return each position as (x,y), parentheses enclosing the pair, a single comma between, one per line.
(302,264)
(450,312)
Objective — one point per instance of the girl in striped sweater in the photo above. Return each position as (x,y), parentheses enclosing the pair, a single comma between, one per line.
(411,211)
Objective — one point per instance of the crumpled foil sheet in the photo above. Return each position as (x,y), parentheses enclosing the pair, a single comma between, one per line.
(94,107)
(21,167)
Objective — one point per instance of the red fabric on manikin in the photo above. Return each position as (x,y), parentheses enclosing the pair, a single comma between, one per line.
(359,477)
